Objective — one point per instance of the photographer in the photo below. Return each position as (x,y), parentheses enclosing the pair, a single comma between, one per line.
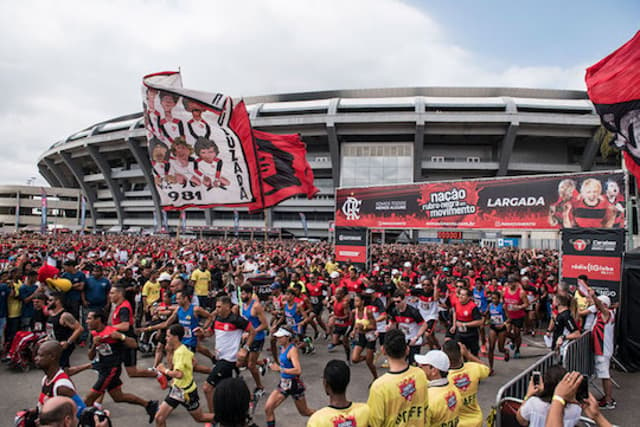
(60,411)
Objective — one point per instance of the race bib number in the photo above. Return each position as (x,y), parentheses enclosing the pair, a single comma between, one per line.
(104,350)
(285,383)
(511,307)
(406,329)
(370,336)
(462,328)
(425,306)
(176,393)
(37,327)
(496,319)
(290,321)
(314,300)
(188,333)
(49,330)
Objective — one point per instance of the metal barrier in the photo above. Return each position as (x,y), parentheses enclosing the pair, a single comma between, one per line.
(517,386)
(578,355)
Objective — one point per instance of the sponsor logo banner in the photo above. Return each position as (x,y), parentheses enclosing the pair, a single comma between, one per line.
(596,268)
(541,202)
(352,245)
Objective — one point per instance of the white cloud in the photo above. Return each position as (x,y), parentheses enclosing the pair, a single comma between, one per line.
(66,65)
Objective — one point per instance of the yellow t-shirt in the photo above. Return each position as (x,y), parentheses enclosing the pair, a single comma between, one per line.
(331,267)
(445,404)
(14,304)
(151,290)
(183,362)
(304,288)
(466,380)
(355,415)
(201,281)
(399,399)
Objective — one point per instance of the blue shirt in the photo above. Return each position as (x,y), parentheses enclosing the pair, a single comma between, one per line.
(25,292)
(74,278)
(5,290)
(480,298)
(96,291)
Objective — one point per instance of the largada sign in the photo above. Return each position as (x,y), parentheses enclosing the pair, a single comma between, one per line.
(543,202)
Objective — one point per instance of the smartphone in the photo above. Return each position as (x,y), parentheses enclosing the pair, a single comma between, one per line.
(583,390)
(535,375)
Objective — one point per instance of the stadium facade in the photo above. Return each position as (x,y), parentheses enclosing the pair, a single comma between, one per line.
(354,138)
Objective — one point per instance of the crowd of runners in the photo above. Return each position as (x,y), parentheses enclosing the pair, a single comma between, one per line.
(269,305)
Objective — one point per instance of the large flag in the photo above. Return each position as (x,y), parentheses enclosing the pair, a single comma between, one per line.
(204,152)
(614,88)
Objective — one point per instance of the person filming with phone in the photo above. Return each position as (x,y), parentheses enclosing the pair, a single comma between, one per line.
(535,408)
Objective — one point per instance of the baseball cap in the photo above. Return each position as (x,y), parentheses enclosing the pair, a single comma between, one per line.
(369,291)
(436,358)
(407,264)
(334,275)
(394,272)
(281,332)
(605,300)
(275,285)
(164,277)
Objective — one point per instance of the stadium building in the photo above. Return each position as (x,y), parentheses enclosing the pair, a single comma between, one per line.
(354,138)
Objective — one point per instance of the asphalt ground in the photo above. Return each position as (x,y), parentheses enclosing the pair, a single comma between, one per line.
(19,390)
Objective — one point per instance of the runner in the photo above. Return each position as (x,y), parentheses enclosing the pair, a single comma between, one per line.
(229,328)
(428,296)
(277,315)
(467,320)
(341,322)
(480,298)
(107,349)
(184,390)
(364,333)
(290,378)
(295,317)
(252,311)
(515,300)
(409,321)
(497,319)
(317,292)
(122,320)
(340,412)
(62,327)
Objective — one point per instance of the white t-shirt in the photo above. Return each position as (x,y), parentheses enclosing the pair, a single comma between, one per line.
(535,411)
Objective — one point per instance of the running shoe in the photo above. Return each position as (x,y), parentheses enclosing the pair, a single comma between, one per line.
(162,380)
(331,347)
(263,368)
(607,405)
(152,409)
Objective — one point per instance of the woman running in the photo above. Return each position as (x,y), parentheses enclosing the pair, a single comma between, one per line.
(497,329)
(364,333)
(290,378)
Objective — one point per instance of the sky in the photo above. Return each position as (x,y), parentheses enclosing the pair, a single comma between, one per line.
(67,65)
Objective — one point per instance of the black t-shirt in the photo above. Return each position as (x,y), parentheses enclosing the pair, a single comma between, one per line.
(129,295)
(564,324)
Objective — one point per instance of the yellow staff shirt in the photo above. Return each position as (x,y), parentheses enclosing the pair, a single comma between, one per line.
(355,415)
(466,380)
(201,280)
(14,304)
(399,399)
(445,403)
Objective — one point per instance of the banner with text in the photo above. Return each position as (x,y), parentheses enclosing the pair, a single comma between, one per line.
(541,202)
(596,253)
(352,245)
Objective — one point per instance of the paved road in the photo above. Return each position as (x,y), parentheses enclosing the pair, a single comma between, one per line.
(18,390)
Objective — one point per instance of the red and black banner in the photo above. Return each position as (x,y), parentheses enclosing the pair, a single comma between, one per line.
(352,245)
(542,202)
(596,253)
(204,152)
(613,85)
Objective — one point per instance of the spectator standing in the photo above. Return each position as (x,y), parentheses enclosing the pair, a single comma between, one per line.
(444,399)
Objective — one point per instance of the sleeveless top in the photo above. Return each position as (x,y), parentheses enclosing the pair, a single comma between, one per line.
(188,319)
(55,330)
(285,362)
(255,321)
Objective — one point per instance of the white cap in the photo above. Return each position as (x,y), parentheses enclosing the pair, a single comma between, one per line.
(281,332)
(436,358)
(164,277)
(394,272)
(407,264)
(334,275)
(605,300)
(369,291)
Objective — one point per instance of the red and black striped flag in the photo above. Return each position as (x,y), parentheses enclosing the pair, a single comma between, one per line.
(613,85)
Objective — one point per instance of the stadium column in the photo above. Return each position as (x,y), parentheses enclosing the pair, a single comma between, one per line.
(590,152)
(334,144)
(418,142)
(116,192)
(145,165)
(89,193)
(51,178)
(510,136)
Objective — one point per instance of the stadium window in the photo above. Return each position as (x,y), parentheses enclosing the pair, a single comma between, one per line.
(376,163)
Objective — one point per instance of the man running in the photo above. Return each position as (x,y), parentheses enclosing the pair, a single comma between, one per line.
(184,390)
(62,327)
(409,321)
(515,300)
(341,321)
(229,328)
(122,320)
(253,311)
(467,320)
(108,349)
